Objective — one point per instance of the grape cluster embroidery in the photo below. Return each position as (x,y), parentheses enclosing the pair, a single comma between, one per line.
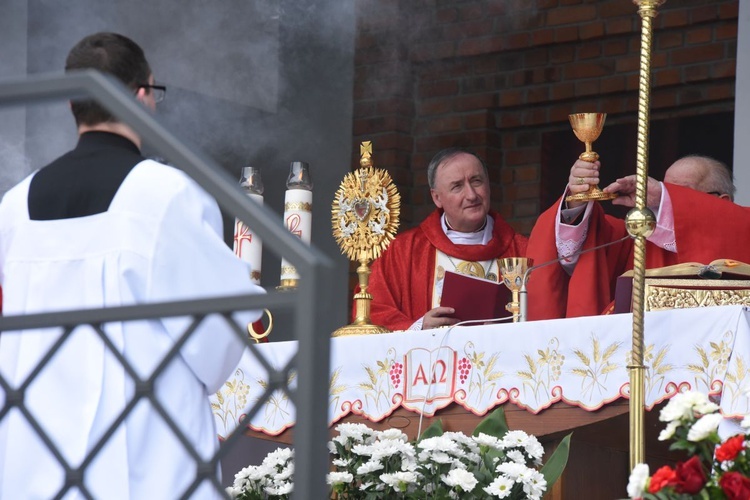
(396,371)
(464,368)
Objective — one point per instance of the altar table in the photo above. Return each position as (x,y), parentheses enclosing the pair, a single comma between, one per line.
(579,363)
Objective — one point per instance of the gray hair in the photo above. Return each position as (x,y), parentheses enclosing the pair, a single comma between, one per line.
(718,177)
(445,155)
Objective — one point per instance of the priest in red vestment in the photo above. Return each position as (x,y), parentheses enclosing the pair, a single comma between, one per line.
(697,221)
(461,235)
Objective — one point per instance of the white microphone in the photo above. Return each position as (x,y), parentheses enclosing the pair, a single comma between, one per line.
(523,303)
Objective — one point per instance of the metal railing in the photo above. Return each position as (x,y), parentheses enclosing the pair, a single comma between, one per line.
(311,303)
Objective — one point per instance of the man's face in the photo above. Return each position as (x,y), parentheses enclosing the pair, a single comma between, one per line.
(462,191)
(146,96)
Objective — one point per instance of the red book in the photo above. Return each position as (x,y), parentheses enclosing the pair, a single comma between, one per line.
(474,298)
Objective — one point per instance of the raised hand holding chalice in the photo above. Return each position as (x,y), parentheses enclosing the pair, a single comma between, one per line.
(587,127)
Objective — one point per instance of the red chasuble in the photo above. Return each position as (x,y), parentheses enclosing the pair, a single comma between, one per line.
(706,228)
(402,278)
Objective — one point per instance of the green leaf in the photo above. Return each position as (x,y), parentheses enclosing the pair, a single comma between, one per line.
(434,430)
(557,462)
(493,424)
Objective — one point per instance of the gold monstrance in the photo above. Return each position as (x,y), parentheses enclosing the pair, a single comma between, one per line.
(365,215)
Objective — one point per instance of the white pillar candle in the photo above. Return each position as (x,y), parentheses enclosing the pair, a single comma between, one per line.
(247,245)
(298,219)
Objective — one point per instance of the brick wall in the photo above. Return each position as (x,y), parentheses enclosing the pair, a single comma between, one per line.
(495,76)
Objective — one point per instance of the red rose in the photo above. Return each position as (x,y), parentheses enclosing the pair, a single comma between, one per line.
(665,476)
(731,448)
(690,476)
(735,486)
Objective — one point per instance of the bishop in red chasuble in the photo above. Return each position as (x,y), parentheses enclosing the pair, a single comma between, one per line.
(403,279)
(706,228)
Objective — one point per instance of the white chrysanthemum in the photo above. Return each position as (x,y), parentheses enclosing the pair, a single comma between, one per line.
(244,474)
(459,478)
(685,404)
(280,489)
(517,456)
(366,486)
(337,439)
(637,482)
(392,434)
(285,473)
(441,458)
(357,432)
(399,481)
(512,470)
(463,440)
(513,439)
(409,463)
(439,443)
(334,478)
(486,440)
(534,448)
(384,449)
(234,492)
(364,450)
(253,473)
(668,431)
(474,458)
(678,408)
(369,466)
(279,456)
(704,406)
(704,427)
(501,487)
(341,462)
(534,485)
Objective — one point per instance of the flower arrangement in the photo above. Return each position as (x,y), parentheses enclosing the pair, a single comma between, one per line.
(715,469)
(367,464)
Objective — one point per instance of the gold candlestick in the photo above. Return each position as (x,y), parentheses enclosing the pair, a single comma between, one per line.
(587,127)
(640,223)
(365,217)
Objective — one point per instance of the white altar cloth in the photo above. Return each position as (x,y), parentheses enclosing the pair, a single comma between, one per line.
(580,361)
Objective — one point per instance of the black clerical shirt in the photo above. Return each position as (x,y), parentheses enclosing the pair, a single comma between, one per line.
(83,181)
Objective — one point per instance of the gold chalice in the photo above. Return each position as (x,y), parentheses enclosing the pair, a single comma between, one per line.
(587,127)
(513,271)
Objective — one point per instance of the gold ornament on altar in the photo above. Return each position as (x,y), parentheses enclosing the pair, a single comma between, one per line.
(513,271)
(365,217)
(587,127)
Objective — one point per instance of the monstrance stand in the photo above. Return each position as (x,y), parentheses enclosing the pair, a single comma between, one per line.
(513,271)
(365,216)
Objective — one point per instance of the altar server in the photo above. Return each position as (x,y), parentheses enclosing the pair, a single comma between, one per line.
(101,226)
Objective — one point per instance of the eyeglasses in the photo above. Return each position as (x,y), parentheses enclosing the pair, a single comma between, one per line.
(160,91)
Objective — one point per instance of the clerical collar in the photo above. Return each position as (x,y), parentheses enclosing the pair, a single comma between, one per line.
(480,237)
(450,228)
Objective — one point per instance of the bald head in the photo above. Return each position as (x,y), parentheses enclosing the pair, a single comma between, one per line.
(702,173)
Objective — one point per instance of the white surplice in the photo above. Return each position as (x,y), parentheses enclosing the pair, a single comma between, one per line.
(160,240)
